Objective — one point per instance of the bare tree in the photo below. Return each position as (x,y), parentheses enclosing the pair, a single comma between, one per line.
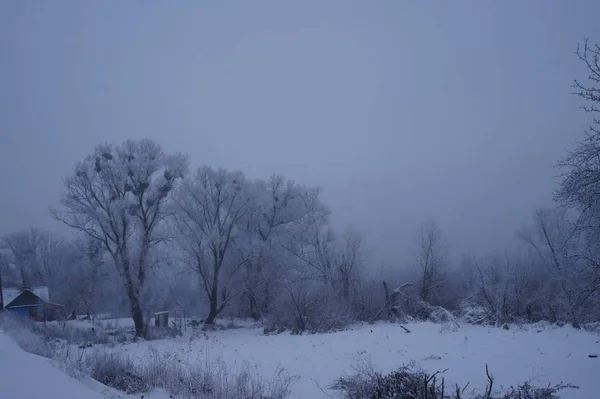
(556,239)
(431,259)
(21,250)
(278,211)
(315,244)
(580,184)
(589,55)
(214,209)
(52,253)
(82,276)
(119,197)
(350,260)
(35,254)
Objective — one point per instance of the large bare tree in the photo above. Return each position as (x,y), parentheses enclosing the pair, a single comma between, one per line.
(580,184)
(279,208)
(212,221)
(118,195)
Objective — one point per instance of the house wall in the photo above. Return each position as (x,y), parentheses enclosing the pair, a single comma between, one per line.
(35,312)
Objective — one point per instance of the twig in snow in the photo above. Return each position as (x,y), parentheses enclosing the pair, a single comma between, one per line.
(321,389)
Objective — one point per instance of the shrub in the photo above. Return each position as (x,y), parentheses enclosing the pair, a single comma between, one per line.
(472,314)
(312,312)
(164,371)
(115,370)
(410,382)
(74,333)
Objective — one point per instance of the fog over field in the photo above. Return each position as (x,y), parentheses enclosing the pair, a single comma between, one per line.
(300,168)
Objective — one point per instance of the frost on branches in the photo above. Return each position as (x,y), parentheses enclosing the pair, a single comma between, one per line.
(119,195)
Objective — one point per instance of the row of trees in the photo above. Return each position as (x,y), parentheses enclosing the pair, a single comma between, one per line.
(153,235)
(138,209)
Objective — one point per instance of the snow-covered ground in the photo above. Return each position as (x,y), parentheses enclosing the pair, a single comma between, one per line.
(27,376)
(540,354)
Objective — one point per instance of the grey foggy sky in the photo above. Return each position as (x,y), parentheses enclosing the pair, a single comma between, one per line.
(402,111)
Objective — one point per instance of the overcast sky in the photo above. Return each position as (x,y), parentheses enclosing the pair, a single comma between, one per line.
(403,111)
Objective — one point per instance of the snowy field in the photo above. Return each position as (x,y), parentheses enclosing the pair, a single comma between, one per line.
(541,354)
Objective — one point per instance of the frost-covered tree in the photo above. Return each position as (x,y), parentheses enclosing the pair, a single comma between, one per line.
(119,196)
(556,237)
(580,184)
(279,209)
(315,242)
(350,261)
(430,255)
(500,289)
(35,255)
(214,211)
(82,277)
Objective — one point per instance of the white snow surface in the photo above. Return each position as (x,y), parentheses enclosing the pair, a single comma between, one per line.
(27,376)
(539,353)
(23,375)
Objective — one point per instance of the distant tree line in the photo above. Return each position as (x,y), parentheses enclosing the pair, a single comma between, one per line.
(153,235)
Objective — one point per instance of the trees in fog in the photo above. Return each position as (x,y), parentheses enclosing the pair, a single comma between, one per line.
(350,261)
(556,240)
(268,249)
(118,195)
(82,279)
(579,187)
(215,208)
(273,228)
(34,255)
(431,258)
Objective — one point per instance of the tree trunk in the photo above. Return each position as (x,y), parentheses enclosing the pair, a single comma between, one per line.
(136,309)
(212,314)
(254,312)
(388,300)
(346,287)
(214,299)
(266,302)
(138,318)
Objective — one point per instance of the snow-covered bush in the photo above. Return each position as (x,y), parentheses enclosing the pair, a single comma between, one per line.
(164,371)
(473,314)
(412,382)
(74,333)
(310,311)
(440,315)
(405,382)
(116,370)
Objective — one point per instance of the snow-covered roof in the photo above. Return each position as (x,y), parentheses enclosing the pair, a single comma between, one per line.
(9,294)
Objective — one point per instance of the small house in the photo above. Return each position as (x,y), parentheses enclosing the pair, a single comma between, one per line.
(33,302)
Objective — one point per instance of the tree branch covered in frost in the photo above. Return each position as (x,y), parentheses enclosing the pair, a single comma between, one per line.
(119,197)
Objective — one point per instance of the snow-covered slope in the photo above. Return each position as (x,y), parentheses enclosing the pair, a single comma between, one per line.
(23,375)
(27,376)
